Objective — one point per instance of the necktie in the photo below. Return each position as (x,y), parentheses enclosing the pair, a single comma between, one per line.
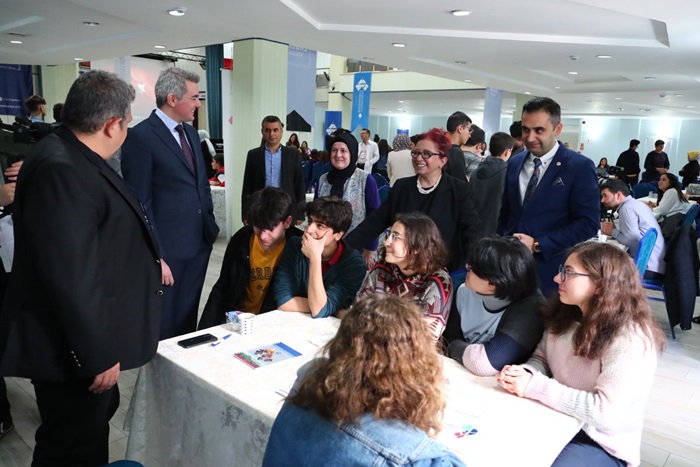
(187,149)
(532,184)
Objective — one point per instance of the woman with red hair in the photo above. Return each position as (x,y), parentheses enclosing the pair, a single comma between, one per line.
(446,200)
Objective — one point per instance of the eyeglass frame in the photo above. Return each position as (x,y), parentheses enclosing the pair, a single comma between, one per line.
(563,273)
(391,237)
(415,153)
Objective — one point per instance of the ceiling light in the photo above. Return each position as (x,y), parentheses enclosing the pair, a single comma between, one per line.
(678,95)
(690,107)
(78,59)
(159,46)
(645,110)
(461,13)
(467,81)
(399,45)
(91,23)
(649,78)
(399,110)
(557,87)
(400,102)
(527,92)
(618,98)
(178,11)
(15,42)
(460,62)
(573,72)
(603,56)
(620,108)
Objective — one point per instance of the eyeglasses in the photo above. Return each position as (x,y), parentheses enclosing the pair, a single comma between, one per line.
(564,274)
(425,154)
(391,237)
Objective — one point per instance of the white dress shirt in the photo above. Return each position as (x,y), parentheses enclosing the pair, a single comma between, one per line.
(368,154)
(529,168)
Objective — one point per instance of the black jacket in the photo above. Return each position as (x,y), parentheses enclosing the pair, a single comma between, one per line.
(456,165)
(229,290)
(681,281)
(488,183)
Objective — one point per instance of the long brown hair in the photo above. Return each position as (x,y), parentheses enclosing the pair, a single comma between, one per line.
(424,244)
(383,362)
(619,302)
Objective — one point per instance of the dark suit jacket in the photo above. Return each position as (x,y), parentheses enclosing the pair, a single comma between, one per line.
(84,289)
(563,211)
(178,203)
(292,180)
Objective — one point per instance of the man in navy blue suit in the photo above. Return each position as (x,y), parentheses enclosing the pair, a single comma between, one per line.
(162,161)
(551,198)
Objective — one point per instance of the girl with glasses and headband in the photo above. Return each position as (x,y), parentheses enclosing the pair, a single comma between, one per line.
(413,266)
(445,199)
(597,358)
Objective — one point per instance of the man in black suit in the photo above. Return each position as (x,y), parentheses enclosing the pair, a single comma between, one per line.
(83,301)
(272,164)
(162,161)
(629,160)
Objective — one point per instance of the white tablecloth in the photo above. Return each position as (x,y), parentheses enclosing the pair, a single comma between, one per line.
(202,407)
(218,198)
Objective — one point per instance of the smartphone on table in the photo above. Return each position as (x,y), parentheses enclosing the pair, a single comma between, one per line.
(197,340)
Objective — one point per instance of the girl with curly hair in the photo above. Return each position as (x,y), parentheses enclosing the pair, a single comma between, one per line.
(597,358)
(375,400)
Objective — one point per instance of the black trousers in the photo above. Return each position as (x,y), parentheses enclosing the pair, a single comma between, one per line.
(74,430)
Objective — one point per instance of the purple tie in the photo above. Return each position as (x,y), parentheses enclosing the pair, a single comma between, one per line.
(186,148)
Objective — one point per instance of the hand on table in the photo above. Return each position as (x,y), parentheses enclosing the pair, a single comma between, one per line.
(105,380)
(514,379)
(651,204)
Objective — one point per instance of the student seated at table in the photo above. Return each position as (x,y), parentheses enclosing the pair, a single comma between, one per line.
(597,358)
(252,256)
(219,178)
(318,273)
(495,318)
(413,266)
(375,400)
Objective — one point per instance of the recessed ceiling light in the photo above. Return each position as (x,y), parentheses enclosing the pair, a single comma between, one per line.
(573,72)
(461,13)
(649,78)
(678,95)
(91,23)
(15,42)
(620,108)
(178,11)
(400,102)
(78,59)
(618,98)
(690,107)
(159,46)
(603,56)
(527,92)
(398,44)
(557,87)
(389,111)
(399,110)
(467,81)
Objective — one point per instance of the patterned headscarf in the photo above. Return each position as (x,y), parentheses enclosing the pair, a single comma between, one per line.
(401,142)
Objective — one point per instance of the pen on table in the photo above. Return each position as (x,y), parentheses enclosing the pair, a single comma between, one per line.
(226,336)
(215,344)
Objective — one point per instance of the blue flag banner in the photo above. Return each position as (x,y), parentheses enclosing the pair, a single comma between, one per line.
(301,88)
(334,120)
(360,100)
(15,87)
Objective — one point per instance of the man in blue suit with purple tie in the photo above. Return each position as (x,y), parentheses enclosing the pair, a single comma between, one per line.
(162,161)
(551,198)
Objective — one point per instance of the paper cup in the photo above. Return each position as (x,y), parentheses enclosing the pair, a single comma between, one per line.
(602,238)
(246,320)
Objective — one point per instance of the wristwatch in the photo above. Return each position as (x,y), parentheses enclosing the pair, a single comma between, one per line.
(536,247)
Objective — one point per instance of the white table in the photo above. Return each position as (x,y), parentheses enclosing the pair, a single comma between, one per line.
(218,198)
(202,407)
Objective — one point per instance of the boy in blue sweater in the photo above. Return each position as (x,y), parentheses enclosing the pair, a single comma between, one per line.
(318,273)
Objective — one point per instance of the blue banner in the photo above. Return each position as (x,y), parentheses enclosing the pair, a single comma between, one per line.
(15,87)
(301,88)
(334,120)
(361,91)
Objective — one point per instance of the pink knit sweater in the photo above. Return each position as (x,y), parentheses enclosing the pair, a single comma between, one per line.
(607,395)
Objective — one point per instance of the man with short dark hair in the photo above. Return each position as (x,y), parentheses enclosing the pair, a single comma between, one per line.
(272,164)
(84,296)
(550,202)
(474,149)
(634,220)
(57,109)
(367,152)
(656,164)
(459,126)
(252,256)
(162,159)
(318,273)
(629,160)
(488,181)
(516,132)
(37,108)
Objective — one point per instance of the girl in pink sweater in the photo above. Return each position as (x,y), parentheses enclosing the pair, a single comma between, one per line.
(597,358)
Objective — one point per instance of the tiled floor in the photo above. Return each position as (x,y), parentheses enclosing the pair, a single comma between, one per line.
(671,434)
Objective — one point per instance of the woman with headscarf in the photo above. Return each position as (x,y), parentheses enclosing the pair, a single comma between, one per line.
(348,182)
(691,170)
(399,163)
